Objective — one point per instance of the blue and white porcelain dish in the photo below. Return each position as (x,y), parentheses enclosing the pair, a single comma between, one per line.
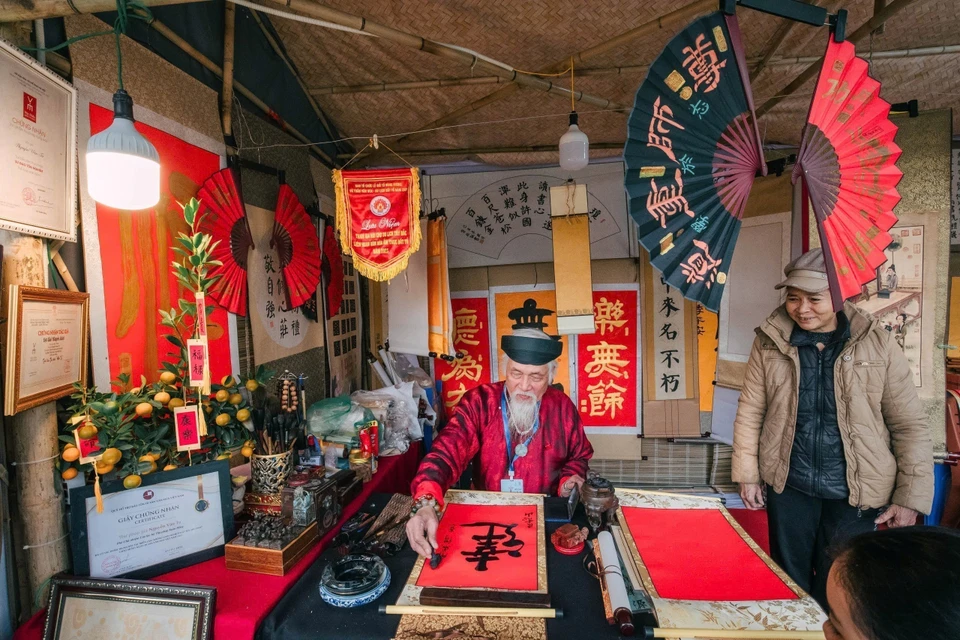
(359,599)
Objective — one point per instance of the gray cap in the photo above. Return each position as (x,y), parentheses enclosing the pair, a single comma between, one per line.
(807,273)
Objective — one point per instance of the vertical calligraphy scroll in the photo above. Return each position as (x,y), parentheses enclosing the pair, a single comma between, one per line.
(708,341)
(670,362)
(471,337)
(607,363)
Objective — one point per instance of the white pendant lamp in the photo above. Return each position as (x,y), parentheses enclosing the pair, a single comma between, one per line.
(574,147)
(123,168)
(574,144)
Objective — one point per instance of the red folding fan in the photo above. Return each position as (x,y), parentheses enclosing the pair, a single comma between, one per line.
(332,270)
(295,239)
(223,216)
(848,158)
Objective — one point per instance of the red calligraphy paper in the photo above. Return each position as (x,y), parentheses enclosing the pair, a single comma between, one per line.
(187,428)
(89,448)
(486,547)
(607,362)
(378,217)
(136,251)
(471,337)
(696,554)
(202,315)
(197,357)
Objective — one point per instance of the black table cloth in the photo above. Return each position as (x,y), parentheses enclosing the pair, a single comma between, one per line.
(303,614)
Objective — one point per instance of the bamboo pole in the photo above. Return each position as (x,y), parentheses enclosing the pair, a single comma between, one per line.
(226,98)
(543,148)
(43,550)
(779,37)
(736,634)
(864,30)
(61,266)
(679,15)
(481,65)
(296,74)
(18,10)
(188,49)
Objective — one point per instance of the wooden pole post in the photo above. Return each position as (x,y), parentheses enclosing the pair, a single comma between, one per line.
(226,97)
(41,551)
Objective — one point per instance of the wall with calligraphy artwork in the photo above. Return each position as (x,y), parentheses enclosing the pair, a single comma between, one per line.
(503,217)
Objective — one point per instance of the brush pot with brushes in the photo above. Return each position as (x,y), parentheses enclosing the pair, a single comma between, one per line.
(270,473)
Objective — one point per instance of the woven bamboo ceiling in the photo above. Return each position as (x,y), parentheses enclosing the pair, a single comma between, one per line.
(535,34)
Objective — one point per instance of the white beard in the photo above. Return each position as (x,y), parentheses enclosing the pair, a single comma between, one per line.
(522,408)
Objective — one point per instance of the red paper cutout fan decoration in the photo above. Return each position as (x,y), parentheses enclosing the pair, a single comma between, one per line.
(297,245)
(332,268)
(848,158)
(223,216)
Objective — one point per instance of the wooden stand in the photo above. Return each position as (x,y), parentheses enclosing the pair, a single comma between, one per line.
(272,562)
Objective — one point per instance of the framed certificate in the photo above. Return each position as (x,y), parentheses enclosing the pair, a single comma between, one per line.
(85,607)
(38,148)
(47,332)
(174,519)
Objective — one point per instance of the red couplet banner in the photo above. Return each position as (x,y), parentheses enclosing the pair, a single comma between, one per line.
(486,547)
(136,251)
(471,337)
(378,216)
(607,362)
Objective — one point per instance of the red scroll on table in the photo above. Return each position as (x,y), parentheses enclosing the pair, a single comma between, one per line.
(378,216)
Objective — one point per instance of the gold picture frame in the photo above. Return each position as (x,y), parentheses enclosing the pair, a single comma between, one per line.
(47,344)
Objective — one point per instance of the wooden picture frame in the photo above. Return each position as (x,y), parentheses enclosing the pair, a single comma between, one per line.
(124,605)
(184,493)
(47,345)
(38,148)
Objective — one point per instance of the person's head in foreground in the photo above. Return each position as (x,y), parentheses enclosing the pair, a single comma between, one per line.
(529,366)
(808,293)
(897,584)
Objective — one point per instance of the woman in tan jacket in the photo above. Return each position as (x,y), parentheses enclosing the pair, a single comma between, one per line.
(829,423)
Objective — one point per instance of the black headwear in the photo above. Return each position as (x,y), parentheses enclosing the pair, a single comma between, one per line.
(532,351)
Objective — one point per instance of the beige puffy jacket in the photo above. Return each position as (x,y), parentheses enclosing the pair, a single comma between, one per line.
(886,441)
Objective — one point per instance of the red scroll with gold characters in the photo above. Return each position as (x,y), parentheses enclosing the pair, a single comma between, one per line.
(378,216)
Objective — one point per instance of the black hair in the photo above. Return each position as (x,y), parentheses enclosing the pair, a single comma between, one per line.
(903,584)
(892,266)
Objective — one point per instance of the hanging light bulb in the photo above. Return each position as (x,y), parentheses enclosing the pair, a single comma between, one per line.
(574,147)
(123,168)
(574,144)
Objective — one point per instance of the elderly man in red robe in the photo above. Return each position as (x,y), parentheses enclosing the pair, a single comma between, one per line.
(522,435)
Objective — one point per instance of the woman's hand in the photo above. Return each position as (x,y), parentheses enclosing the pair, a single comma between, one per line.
(752,496)
(896,516)
(422,531)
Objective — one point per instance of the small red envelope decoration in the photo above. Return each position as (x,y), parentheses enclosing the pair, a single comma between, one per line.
(187,425)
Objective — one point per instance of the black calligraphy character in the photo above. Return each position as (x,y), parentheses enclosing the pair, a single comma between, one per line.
(505,229)
(295,326)
(595,213)
(270,286)
(548,225)
(480,221)
(670,357)
(492,209)
(504,189)
(664,282)
(526,222)
(668,307)
(268,264)
(489,230)
(521,186)
(544,186)
(486,199)
(668,332)
(283,328)
(491,544)
(514,215)
(499,218)
(271,309)
(524,210)
(541,199)
(508,203)
(670,382)
(523,196)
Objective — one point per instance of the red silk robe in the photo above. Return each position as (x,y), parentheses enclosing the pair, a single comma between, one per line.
(559,449)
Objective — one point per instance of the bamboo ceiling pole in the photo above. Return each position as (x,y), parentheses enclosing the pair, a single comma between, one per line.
(188,49)
(314,10)
(226,96)
(17,10)
(481,150)
(864,30)
(779,37)
(679,15)
(277,49)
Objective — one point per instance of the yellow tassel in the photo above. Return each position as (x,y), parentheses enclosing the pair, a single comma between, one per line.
(96,489)
(342,225)
(203,422)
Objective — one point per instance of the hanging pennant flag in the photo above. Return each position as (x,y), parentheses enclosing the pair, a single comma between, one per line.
(378,217)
